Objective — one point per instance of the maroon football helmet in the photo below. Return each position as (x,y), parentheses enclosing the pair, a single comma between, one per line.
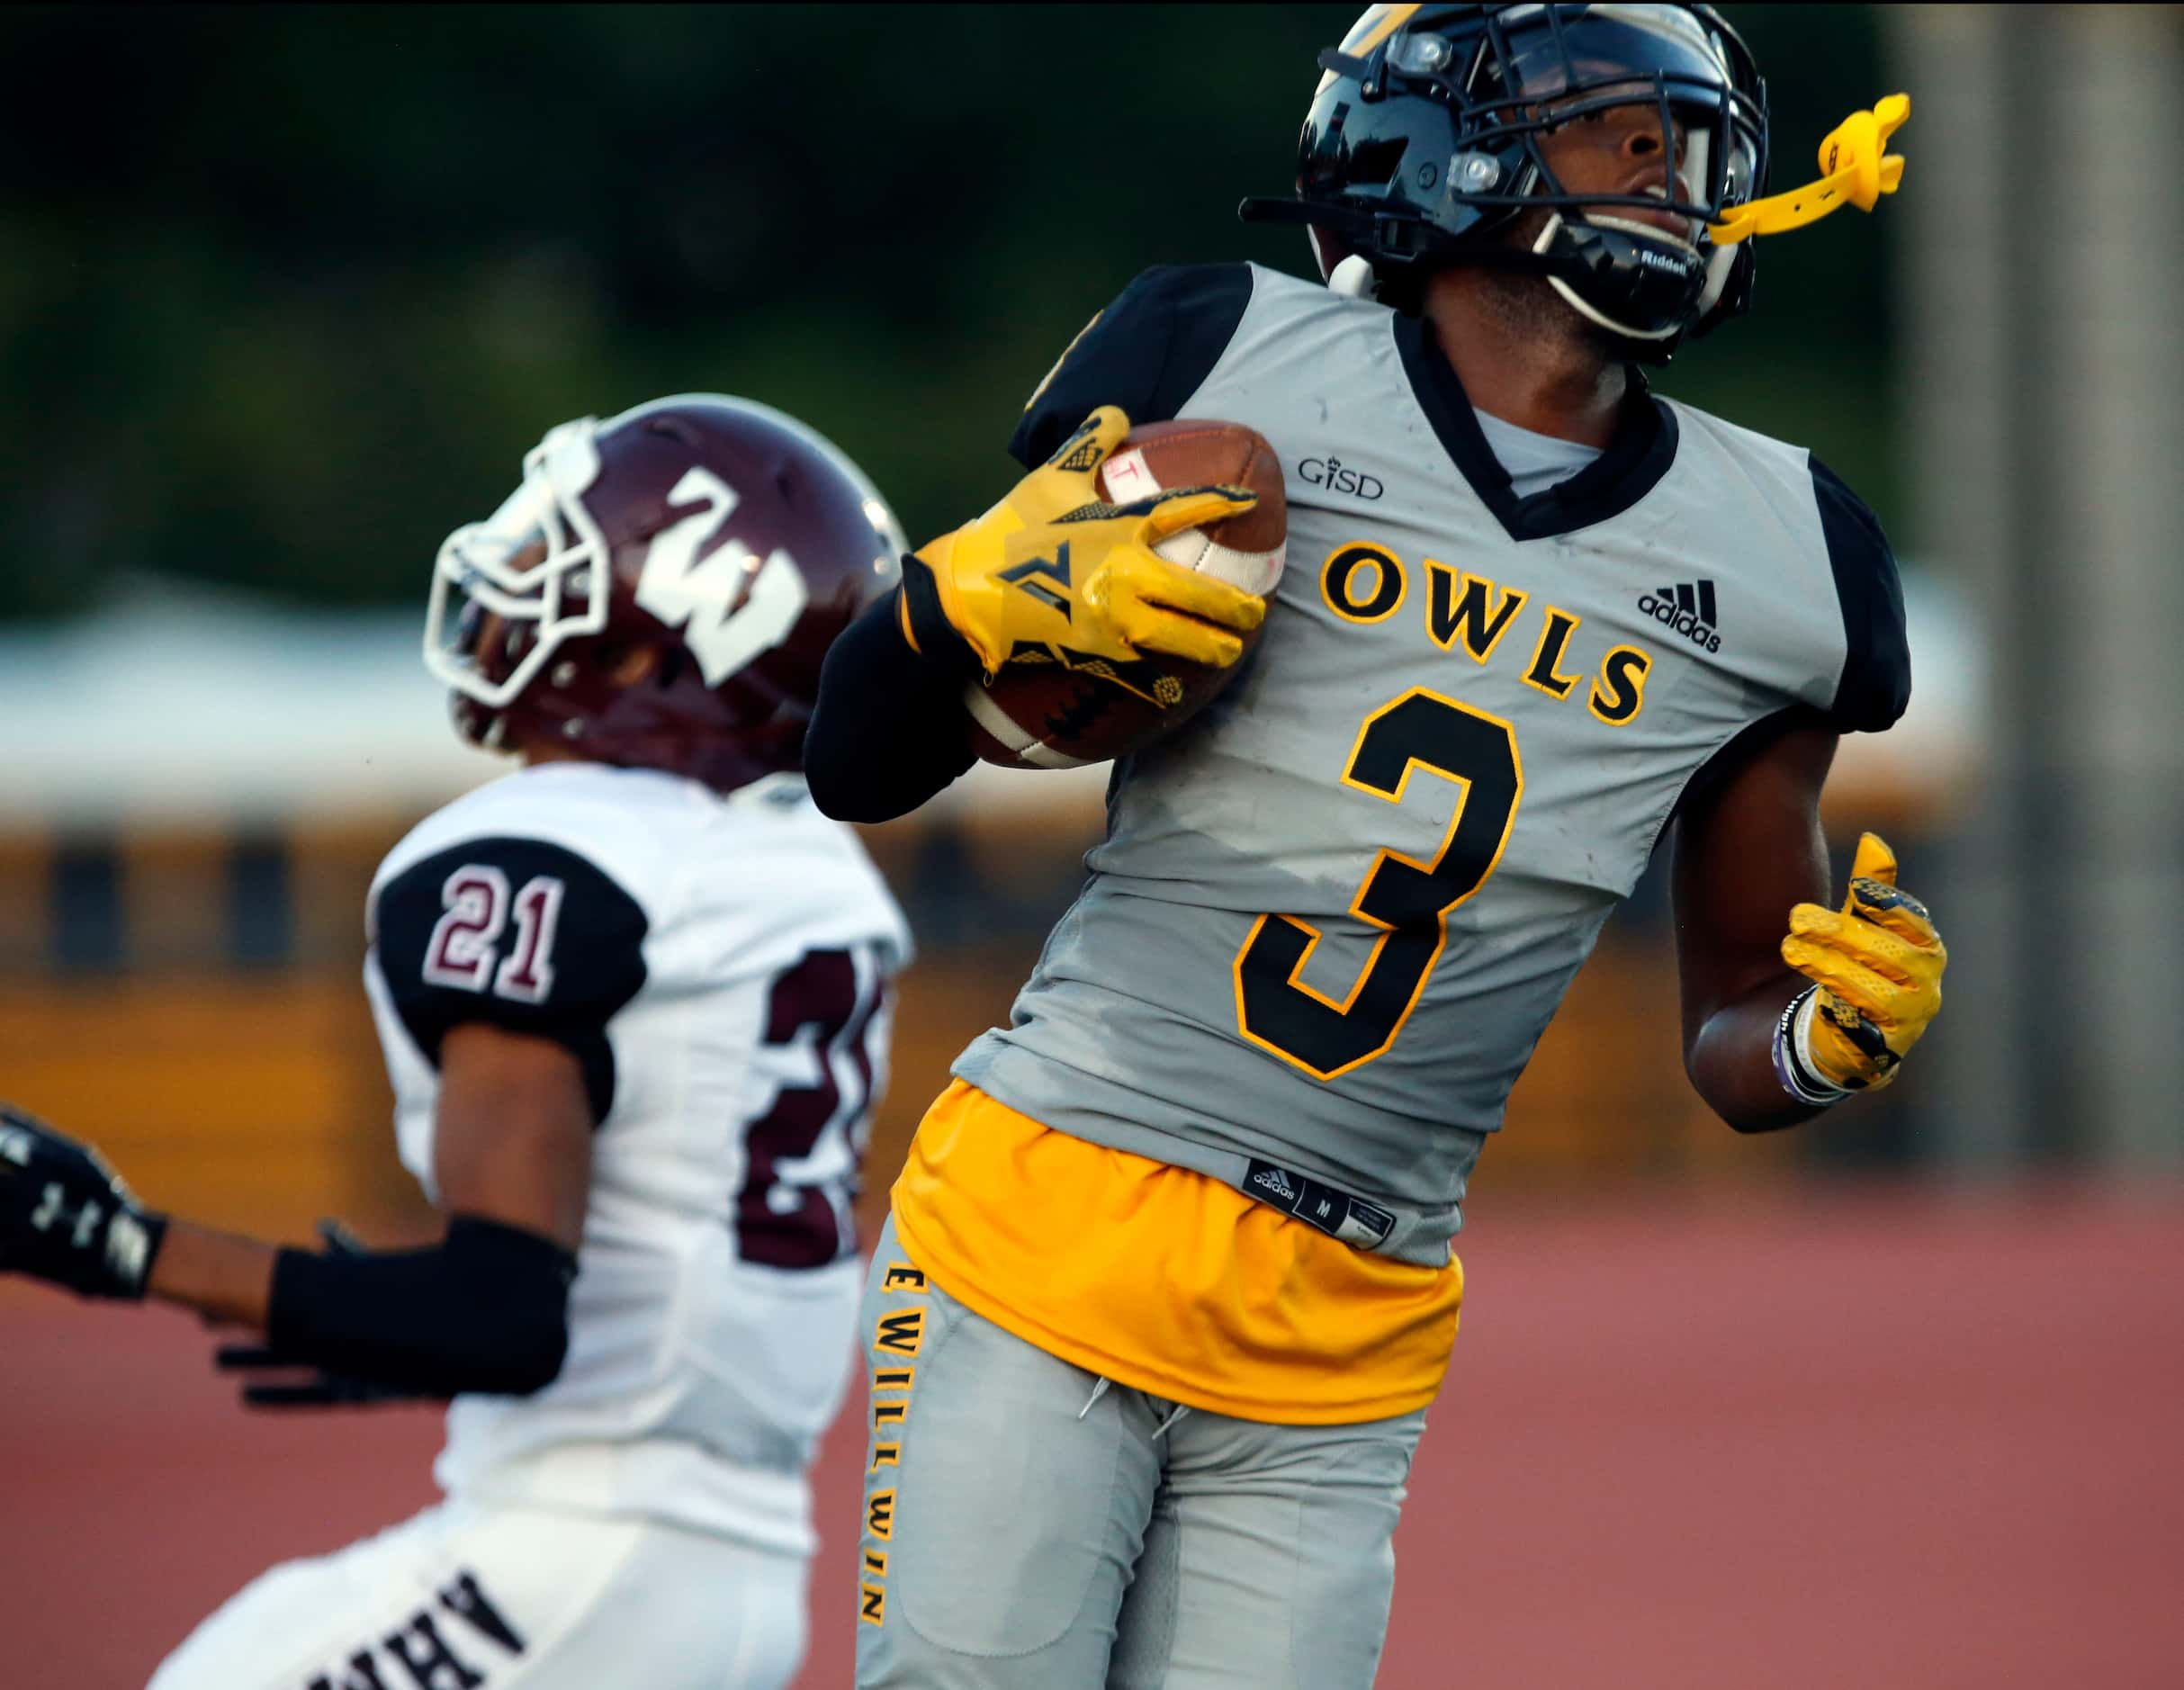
(727,538)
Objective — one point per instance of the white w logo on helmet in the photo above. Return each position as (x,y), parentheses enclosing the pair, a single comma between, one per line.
(732,606)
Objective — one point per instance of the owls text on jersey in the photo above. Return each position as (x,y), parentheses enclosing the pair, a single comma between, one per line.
(719,967)
(1332,916)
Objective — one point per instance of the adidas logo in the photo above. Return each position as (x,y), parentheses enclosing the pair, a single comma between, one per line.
(1274,1181)
(1689,609)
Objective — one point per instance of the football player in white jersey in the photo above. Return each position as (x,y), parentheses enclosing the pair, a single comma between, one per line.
(634,1003)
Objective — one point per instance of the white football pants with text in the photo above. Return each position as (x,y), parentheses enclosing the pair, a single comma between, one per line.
(464,1596)
(1031,1526)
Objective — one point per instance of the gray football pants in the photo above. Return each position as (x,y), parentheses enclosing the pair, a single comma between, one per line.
(1029,1526)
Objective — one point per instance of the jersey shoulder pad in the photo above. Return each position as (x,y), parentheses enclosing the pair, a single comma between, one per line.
(1148,352)
(518,933)
(1876,680)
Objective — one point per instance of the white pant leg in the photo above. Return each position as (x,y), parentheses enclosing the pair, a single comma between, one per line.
(684,1612)
(464,1596)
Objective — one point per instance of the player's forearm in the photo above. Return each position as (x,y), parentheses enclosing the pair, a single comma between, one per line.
(1731,1060)
(226,1278)
(890,729)
(486,1309)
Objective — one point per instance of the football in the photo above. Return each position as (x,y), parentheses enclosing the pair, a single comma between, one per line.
(1052,709)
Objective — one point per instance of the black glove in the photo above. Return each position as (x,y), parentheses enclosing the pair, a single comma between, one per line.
(66,1216)
(303,1386)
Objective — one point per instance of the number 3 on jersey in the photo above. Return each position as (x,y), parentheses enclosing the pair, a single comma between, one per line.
(1407,901)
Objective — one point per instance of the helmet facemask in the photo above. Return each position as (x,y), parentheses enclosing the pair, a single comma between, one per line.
(1428,144)
(1538,72)
(510,591)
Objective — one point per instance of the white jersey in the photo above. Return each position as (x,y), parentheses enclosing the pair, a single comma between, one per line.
(720,966)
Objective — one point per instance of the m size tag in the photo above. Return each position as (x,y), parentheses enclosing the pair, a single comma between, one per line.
(1352,1219)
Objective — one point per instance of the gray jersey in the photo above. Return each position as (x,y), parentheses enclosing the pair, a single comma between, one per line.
(1333,915)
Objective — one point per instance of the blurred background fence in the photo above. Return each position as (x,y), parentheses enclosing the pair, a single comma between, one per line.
(287,292)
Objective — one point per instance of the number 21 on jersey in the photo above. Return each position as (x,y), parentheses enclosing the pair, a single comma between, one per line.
(1406,900)
(465,943)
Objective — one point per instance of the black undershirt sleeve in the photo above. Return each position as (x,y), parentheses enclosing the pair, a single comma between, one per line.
(890,729)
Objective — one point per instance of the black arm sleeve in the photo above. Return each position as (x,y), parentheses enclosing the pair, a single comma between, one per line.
(1876,681)
(517,932)
(1148,352)
(890,729)
(487,1309)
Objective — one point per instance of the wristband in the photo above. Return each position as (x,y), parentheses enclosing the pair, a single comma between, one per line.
(134,1237)
(1793,1055)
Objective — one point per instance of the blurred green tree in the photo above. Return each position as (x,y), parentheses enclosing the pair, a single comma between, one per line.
(288,291)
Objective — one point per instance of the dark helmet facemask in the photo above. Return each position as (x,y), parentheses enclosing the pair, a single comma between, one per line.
(1423,147)
(1626,276)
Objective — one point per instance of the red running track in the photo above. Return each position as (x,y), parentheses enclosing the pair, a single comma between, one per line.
(1846,1439)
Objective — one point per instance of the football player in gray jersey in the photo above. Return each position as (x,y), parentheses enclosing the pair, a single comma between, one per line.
(1168,1281)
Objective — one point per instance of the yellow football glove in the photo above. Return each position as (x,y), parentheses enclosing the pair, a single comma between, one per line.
(1878,964)
(1054,565)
